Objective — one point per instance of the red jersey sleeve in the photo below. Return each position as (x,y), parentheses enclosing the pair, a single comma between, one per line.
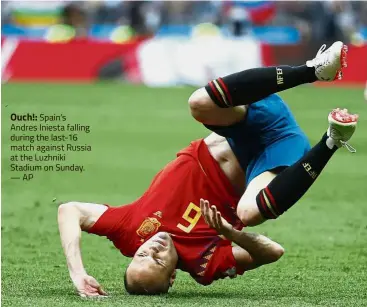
(223,264)
(115,224)
(107,222)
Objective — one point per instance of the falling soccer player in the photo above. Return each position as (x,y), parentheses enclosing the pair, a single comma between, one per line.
(255,166)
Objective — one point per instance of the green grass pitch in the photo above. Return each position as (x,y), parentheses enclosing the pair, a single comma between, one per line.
(135,131)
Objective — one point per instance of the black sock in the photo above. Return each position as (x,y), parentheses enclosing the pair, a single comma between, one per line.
(252,85)
(293,182)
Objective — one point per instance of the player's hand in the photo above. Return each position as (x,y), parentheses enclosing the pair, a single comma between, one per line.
(214,219)
(87,286)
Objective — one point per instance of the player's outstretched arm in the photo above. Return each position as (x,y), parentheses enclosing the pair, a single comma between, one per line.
(253,249)
(73,217)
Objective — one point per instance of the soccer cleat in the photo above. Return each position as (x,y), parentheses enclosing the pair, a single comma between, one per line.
(330,63)
(341,127)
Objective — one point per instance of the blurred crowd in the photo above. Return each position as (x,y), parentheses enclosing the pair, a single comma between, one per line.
(316,20)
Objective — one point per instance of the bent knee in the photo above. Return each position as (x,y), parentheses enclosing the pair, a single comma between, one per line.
(199,103)
(250,215)
(71,205)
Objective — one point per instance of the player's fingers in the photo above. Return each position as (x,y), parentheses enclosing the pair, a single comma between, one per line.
(101,291)
(219,218)
(215,219)
(204,211)
(202,207)
(210,214)
(87,293)
(206,206)
(94,284)
(81,294)
(207,213)
(213,211)
(217,222)
(88,288)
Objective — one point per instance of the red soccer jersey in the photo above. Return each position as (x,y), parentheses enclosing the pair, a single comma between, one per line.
(171,204)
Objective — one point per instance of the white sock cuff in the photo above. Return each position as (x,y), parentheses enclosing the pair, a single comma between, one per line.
(331,143)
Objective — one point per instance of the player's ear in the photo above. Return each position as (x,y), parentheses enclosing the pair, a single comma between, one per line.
(172,278)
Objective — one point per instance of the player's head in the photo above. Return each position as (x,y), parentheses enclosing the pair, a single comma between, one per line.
(73,15)
(153,268)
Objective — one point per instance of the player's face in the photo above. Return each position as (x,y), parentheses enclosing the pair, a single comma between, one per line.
(154,263)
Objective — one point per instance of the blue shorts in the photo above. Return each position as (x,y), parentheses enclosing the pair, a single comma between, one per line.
(268,138)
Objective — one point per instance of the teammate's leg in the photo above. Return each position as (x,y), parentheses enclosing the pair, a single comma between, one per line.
(270,195)
(208,104)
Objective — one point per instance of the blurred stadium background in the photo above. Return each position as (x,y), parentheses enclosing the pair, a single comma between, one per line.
(156,53)
(189,41)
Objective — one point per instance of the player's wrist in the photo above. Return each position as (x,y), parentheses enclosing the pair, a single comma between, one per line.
(77,273)
(229,233)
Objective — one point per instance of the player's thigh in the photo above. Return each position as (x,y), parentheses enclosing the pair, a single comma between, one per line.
(204,110)
(247,209)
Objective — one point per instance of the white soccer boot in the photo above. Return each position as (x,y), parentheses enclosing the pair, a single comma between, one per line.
(330,63)
(341,128)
